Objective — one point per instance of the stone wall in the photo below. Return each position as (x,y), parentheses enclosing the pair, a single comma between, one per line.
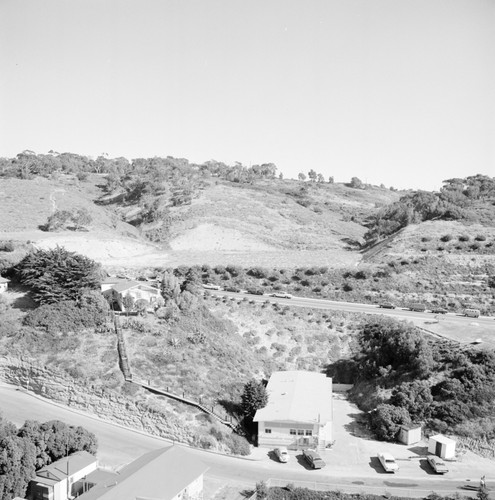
(97,400)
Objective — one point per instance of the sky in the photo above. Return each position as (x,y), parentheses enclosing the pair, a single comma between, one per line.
(399,92)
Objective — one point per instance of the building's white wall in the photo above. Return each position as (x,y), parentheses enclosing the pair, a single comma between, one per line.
(326,432)
(281,433)
(106,286)
(60,490)
(3,287)
(84,472)
(448,451)
(193,491)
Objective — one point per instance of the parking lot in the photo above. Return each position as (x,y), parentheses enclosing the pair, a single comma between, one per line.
(355,454)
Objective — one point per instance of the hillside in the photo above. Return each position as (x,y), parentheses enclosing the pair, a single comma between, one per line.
(270,223)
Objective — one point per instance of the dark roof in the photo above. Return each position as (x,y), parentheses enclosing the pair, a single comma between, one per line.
(57,471)
(159,474)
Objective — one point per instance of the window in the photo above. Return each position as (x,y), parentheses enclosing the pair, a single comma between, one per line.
(309,432)
(292,432)
(300,432)
(268,431)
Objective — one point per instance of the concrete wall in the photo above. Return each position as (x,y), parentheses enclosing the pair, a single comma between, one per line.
(104,403)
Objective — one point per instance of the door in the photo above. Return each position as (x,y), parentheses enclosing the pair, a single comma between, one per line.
(438,449)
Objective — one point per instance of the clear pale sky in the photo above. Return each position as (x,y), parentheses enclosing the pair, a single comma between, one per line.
(400,92)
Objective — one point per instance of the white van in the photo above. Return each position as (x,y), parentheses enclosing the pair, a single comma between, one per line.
(472,313)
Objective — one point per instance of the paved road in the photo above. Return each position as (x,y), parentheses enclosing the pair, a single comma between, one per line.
(357,308)
(119,445)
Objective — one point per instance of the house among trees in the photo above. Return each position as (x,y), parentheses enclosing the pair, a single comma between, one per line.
(4,284)
(171,473)
(299,412)
(62,479)
(122,294)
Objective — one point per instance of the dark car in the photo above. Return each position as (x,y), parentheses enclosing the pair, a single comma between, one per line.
(255,291)
(387,305)
(313,459)
(439,310)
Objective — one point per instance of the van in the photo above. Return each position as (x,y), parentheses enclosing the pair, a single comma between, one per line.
(472,313)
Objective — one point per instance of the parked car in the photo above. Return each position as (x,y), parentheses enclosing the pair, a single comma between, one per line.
(387,305)
(282,454)
(313,459)
(282,295)
(209,286)
(388,462)
(255,291)
(232,289)
(437,464)
(439,310)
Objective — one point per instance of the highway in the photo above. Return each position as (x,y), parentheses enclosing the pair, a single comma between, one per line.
(118,445)
(399,313)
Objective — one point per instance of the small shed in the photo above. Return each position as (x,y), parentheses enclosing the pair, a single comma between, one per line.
(442,446)
(410,434)
(4,284)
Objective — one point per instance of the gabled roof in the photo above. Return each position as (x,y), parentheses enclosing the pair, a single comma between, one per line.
(160,474)
(4,280)
(122,285)
(297,396)
(57,471)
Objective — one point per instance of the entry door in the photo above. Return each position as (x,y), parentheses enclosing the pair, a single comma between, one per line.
(438,449)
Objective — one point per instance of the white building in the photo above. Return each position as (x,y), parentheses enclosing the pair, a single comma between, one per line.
(4,284)
(57,480)
(442,446)
(299,413)
(115,289)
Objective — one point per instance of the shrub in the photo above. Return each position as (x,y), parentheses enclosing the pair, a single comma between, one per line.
(257,272)
(480,237)
(220,269)
(424,239)
(238,445)
(63,317)
(475,246)
(386,421)
(347,287)
(463,237)
(7,246)
(446,237)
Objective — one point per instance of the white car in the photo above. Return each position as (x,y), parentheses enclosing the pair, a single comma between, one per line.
(282,295)
(209,286)
(388,462)
(282,454)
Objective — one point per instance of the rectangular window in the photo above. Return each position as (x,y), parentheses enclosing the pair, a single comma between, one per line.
(292,432)
(300,432)
(268,431)
(309,432)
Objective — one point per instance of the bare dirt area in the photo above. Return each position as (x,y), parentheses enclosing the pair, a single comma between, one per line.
(208,245)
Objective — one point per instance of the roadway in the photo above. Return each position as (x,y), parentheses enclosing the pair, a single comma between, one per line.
(399,313)
(119,445)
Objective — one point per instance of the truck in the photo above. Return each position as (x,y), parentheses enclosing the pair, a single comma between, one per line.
(417,307)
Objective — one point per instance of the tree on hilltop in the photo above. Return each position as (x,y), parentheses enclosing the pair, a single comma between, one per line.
(56,275)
